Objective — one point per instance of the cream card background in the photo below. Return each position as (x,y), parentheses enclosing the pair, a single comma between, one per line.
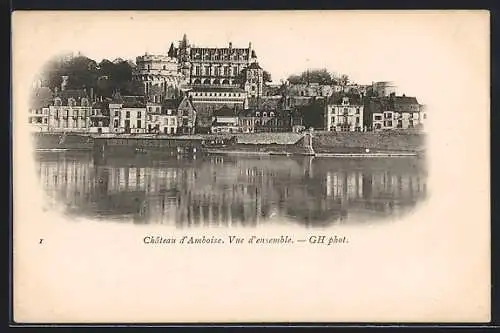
(433,265)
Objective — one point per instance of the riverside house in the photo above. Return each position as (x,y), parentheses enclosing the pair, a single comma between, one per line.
(344,114)
(225,120)
(128,114)
(395,112)
(70,111)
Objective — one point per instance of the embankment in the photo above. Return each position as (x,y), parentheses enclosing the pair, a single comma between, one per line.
(70,141)
(358,142)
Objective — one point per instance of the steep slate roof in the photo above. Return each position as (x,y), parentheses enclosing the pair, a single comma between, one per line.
(404,103)
(354,99)
(76,94)
(224,111)
(130,101)
(171,103)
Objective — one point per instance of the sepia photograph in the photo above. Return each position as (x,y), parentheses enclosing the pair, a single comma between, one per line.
(251,166)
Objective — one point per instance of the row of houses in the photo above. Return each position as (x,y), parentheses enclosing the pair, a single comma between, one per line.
(77,111)
(218,110)
(374,113)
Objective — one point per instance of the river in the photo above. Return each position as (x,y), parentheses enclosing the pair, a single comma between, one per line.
(225,191)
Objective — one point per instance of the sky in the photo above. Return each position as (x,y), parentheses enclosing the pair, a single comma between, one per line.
(411,48)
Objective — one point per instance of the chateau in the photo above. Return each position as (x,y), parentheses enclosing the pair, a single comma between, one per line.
(219,66)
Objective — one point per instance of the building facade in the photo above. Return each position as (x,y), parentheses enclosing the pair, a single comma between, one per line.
(158,71)
(99,118)
(396,112)
(70,112)
(206,100)
(128,114)
(346,116)
(161,119)
(218,66)
(225,120)
(186,117)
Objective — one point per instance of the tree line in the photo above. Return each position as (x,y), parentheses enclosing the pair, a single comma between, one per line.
(104,77)
(320,76)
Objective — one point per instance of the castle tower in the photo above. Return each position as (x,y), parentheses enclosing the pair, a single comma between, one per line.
(254,80)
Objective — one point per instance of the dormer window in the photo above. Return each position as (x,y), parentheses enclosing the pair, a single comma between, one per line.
(57,102)
(257,114)
(71,102)
(85,102)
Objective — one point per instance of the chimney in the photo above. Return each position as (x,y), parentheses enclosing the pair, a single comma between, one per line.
(92,94)
(230,45)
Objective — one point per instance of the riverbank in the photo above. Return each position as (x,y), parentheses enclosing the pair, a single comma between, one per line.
(328,144)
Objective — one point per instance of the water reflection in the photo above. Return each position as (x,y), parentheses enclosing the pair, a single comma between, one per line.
(232,191)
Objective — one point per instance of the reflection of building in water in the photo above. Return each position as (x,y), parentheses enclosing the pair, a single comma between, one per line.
(224,191)
(66,179)
(378,190)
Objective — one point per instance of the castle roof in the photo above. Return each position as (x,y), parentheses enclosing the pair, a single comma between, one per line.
(224,111)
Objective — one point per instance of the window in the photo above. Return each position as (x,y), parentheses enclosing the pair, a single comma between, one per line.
(115,123)
(172,121)
(333,120)
(45,121)
(425,115)
(169,112)
(378,117)
(158,109)
(117,113)
(257,114)
(139,115)
(346,110)
(235,71)
(271,114)
(127,115)
(264,114)
(357,120)
(357,110)
(139,124)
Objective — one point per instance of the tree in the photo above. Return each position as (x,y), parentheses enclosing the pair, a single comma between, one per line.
(320,76)
(344,79)
(294,79)
(82,72)
(313,114)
